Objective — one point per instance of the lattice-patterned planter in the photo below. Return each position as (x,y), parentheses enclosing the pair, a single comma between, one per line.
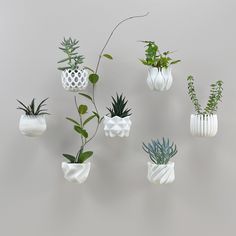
(74,80)
(162,174)
(32,126)
(117,126)
(76,172)
(204,125)
(159,80)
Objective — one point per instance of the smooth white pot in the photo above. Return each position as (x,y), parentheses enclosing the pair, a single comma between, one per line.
(117,126)
(203,125)
(159,80)
(162,174)
(74,80)
(32,126)
(76,172)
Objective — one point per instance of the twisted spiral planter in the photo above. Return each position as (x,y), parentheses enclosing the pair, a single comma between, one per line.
(159,79)
(162,174)
(76,172)
(32,126)
(117,126)
(203,125)
(74,80)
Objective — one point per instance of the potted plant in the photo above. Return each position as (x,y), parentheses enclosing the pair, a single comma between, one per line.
(161,169)
(73,79)
(204,122)
(118,123)
(33,122)
(159,67)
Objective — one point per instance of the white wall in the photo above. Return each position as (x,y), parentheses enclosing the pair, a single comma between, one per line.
(117,199)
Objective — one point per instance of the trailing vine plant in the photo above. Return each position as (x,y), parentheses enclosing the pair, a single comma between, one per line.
(80,124)
(214,98)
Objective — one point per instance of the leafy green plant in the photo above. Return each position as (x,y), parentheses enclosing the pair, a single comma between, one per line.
(73,59)
(86,116)
(160,152)
(119,107)
(32,109)
(155,58)
(214,98)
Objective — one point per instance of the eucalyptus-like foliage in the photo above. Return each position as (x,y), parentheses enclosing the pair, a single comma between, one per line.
(155,58)
(119,107)
(73,59)
(32,109)
(160,152)
(213,100)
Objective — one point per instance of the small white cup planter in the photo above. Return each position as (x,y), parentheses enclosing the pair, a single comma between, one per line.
(159,79)
(32,126)
(76,172)
(162,174)
(203,125)
(74,80)
(117,126)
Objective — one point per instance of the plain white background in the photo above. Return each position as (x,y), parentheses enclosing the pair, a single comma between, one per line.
(117,199)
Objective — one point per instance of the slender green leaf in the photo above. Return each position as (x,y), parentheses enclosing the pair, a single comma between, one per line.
(86,95)
(69,157)
(84,156)
(88,119)
(81,131)
(108,56)
(72,120)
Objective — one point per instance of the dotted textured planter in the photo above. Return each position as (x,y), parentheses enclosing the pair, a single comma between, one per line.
(159,80)
(162,174)
(74,80)
(117,126)
(76,173)
(32,126)
(203,125)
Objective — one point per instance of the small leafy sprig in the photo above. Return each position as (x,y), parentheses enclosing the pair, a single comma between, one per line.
(214,98)
(119,107)
(160,152)
(32,109)
(155,58)
(73,59)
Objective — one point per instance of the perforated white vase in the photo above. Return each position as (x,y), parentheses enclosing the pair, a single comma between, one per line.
(32,126)
(162,174)
(117,126)
(203,125)
(159,80)
(76,173)
(74,80)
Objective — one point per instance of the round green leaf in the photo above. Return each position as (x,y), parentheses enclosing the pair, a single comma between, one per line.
(93,78)
(82,109)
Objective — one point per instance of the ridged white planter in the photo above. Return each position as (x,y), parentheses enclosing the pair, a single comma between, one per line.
(203,125)
(76,173)
(162,174)
(117,126)
(32,126)
(159,80)
(74,80)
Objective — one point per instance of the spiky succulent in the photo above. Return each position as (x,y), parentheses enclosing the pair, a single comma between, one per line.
(32,109)
(73,59)
(160,152)
(119,107)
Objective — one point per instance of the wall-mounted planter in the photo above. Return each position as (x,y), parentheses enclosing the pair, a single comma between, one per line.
(76,172)
(32,126)
(159,80)
(162,174)
(74,80)
(203,125)
(117,126)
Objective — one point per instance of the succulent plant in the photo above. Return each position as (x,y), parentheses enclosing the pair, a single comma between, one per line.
(73,59)
(160,152)
(119,107)
(32,109)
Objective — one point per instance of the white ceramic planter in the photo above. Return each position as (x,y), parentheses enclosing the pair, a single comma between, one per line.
(117,126)
(162,174)
(159,80)
(203,125)
(32,126)
(76,172)
(74,80)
